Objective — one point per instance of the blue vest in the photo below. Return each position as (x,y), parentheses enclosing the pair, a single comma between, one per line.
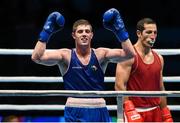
(84,77)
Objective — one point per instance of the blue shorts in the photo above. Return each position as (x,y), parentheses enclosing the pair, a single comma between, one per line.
(77,114)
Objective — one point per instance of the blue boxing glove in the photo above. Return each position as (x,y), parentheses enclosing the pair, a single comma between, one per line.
(54,23)
(112,21)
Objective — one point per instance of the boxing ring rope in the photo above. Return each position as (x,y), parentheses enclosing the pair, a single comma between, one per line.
(60,79)
(54,107)
(118,94)
(29,51)
(75,93)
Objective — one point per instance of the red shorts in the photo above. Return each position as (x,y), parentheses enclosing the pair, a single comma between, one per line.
(153,115)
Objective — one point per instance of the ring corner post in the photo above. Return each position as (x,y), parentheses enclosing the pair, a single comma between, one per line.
(120,109)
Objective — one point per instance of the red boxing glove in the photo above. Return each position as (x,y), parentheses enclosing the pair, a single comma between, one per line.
(166,114)
(131,113)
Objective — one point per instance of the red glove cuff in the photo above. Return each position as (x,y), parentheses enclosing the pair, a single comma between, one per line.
(166,114)
(130,112)
(128,105)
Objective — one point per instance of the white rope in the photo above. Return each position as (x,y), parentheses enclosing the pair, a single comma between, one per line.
(42,107)
(59,79)
(31,107)
(31,79)
(29,51)
(16,51)
(88,93)
(168,51)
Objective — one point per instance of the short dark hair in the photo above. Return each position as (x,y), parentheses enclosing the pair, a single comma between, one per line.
(140,24)
(80,22)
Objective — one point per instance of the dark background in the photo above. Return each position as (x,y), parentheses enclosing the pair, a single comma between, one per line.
(22,20)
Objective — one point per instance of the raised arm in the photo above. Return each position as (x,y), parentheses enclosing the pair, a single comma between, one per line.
(112,21)
(54,23)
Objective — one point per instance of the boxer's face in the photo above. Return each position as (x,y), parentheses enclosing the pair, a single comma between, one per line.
(83,35)
(148,35)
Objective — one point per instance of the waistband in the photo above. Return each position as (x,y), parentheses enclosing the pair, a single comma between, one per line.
(146,109)
(85,102)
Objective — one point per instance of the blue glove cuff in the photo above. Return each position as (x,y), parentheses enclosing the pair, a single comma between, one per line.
(44,36)
(122,35)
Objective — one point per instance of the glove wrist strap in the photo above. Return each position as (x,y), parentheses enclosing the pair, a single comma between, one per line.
(44,36)
(122,36)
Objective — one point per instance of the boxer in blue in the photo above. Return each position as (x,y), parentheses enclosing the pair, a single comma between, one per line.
(83,67)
